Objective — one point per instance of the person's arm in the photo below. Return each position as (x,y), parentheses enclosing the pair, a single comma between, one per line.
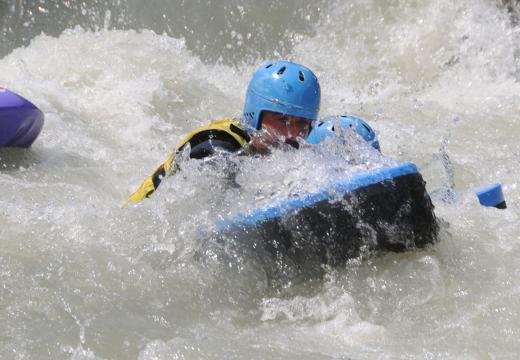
(202,144)
(210,146)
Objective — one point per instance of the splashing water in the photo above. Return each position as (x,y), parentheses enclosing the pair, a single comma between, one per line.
(121,84)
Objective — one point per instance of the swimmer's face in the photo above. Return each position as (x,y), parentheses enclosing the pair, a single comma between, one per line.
(279,128)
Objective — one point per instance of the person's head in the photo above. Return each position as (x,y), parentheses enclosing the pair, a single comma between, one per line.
(283,100)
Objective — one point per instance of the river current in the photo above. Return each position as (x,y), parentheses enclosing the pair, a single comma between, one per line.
(122,82)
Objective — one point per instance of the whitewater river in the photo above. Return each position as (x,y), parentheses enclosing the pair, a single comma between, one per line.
(81,277)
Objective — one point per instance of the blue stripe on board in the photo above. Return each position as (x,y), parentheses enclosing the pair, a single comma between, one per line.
(340,187)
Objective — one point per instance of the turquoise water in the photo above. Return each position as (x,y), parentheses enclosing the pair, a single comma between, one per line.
(121,83)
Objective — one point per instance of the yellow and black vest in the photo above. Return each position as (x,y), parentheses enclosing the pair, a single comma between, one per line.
(227,130)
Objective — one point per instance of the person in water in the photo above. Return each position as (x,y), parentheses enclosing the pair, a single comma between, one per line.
(282,102)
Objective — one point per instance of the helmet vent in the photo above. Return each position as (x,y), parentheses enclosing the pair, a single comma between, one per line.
(268,66)
(302,78)
(282,69)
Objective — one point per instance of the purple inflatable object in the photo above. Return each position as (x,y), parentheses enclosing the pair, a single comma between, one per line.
(20,121)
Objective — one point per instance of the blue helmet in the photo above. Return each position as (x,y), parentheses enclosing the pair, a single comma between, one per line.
(283,87)
(325,129)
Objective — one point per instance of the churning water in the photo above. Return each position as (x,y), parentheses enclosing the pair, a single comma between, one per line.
(121,83)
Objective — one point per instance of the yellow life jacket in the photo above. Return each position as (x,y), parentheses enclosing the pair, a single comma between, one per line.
(226,128)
